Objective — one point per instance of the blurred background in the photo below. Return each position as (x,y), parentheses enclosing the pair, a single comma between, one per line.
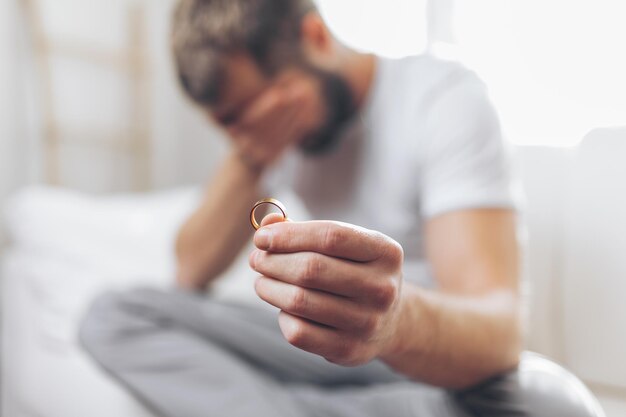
(101,157)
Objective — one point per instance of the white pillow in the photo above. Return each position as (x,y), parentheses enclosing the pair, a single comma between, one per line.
(129,233)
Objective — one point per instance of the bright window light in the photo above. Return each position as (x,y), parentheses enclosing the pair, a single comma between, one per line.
(392,28)
(556,69)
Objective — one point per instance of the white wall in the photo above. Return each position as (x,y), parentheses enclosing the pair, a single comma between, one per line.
(7,86)
(184,147)
(14,168)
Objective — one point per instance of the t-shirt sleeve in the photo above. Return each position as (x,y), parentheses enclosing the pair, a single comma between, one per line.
(466,163)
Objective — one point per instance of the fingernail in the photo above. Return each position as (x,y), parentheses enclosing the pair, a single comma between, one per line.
(263,238)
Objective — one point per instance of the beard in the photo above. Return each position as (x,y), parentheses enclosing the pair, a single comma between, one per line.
(340,108)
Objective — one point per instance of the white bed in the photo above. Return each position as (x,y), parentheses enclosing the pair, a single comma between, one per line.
(66,247)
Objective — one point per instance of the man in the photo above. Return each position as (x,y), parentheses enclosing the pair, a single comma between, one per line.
(406,304)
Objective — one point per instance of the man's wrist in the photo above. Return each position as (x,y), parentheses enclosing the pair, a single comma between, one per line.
(250,168)
(411,331)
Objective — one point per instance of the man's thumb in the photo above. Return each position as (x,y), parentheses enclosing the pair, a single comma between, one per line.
(273,218)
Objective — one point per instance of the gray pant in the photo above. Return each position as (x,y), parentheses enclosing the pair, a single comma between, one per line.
(186,355)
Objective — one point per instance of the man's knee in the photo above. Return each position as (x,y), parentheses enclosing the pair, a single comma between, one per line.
(538,388)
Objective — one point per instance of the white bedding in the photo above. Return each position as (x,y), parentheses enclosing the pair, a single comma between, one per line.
(125,233)
(66,248)
(45,373)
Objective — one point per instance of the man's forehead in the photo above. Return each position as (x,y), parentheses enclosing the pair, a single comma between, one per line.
(241,81)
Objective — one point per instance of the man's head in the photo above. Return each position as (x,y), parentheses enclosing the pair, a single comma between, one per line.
(229,52)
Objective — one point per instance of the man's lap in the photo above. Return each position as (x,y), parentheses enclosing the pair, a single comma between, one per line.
(144,329)
(251,333)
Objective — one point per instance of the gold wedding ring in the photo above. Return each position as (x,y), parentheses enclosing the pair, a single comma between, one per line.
(259,203)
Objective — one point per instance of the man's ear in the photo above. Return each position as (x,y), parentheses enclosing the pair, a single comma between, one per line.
(317,40)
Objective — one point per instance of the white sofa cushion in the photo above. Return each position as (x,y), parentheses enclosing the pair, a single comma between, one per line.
(593,275)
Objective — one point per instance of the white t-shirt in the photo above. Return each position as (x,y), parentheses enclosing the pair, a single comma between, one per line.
(427,141)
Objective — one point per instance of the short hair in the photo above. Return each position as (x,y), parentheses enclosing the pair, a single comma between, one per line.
(204,32)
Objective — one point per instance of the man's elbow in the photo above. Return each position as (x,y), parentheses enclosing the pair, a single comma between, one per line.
(505,352)
(506,356)
(188,279)
(188,273)
(514,345)
(510,337)
(195,272)
(506,362)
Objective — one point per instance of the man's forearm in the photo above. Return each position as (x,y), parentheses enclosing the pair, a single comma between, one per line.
(213,236)
(453,341)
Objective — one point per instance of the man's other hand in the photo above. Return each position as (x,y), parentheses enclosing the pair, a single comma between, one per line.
(282,115)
